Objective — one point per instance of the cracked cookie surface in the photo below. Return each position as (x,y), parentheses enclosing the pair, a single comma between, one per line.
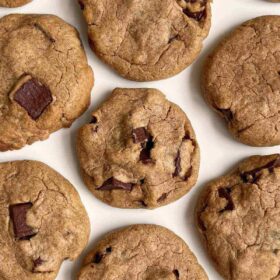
(142,252)
(242,81)
(45,78)
(138,151)
(43,221)
(13,3)
(238,217)
(147,40)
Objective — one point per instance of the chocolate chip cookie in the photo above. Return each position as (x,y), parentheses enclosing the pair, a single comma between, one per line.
(45,78)
(13,3)
(138,151)
(242,81)
(238,217)
(147,40)
(42,219)
(146,252)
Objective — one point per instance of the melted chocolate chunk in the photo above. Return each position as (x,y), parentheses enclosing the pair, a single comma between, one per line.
(253,176)
(225,193)
(177,163)
(114,184)
(162,197)
(37,262)
(97,258)
(34,97)
(93,120)
(140,135)
(18,216)
(145,154)
(176,273)
(198,16)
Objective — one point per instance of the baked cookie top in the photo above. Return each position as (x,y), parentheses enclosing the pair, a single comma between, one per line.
(138,151)
(13,3)
(147,40)
(242,81)
(45,80)
(145,252)
(42,219)
(238,217)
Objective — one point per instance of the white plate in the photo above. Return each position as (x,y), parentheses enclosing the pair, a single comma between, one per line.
(219,151)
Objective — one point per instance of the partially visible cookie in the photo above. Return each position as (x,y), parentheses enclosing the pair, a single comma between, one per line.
(45,80)
(142,252)
(13,3)
(138,151)
(147,40)
(238,217)
(242,81)
(42,219)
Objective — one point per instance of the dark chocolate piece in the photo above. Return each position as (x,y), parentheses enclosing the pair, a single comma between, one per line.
(225,193)
(140,135)
(114,184)
(34,97)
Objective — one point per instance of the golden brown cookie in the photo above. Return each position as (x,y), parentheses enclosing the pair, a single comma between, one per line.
(45,80)
(242,81)
(13,3)
(147,40)
(42,219)
(138,151)
(142,252)
(238,217)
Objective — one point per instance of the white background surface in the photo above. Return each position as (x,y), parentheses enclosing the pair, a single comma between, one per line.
(219,151)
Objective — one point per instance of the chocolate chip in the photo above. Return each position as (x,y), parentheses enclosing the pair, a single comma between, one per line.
(38,262)
(186,137)
(253,176)
(140,135)
(176,273)
(198,16)
(142,181)
(225,193)
(46,34)
(93,120)
(97,258)
(188,174)
(82,6)
(145,154)
(177,163)
(34,97)
(18,216)
(162,197)
(109,250)
(114,184)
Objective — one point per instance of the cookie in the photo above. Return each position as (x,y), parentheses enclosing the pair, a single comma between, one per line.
(138,151)
(45,78)
(242,81)
(147,252)
(42,219)
(147,40)
(13,3)
(238,217)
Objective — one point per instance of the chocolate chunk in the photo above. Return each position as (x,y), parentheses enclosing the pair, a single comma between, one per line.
(252,176)
(82,6)
(38,262)
(34,97)
(162,197)
(93,120)
(109,250)
(176,273)
(225,193)
(188,174)
(97,258)
(140,135)
(177,163)
(46,34)
(145,154)
(18,216)
(114,184)
(198,16)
